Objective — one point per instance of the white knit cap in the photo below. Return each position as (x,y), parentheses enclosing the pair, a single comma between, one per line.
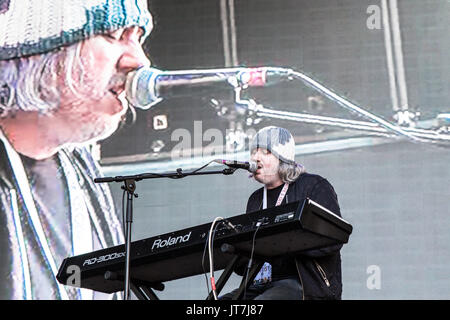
(29,27)
(278,141)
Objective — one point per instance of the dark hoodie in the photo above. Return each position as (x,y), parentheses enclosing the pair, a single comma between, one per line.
(319,269)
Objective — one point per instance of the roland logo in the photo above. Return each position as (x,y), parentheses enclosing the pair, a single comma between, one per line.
(160,243)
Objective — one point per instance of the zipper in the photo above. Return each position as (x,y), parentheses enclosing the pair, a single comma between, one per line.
(322,273)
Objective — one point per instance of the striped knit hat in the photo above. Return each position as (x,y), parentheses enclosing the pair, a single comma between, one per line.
(278,141)
(29,27)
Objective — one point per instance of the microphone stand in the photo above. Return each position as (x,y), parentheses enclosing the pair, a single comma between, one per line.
(129,185)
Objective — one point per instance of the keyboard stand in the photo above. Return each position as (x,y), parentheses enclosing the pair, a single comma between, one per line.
(143,292)
(141,289)
(224,277)
(246,280)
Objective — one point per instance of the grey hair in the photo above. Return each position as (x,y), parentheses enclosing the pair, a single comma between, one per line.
(30,82)
(290,172)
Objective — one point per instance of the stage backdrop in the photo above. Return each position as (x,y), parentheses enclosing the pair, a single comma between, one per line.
(386,61)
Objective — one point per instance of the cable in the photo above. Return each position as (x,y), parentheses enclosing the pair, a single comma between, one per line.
(203,265)
(211,266)
(352,107)
(251,258)
(179,175)
(210,243)
(197,170)
(204,253)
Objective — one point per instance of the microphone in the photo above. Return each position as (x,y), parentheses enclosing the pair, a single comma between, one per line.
(147,86)
(250,166)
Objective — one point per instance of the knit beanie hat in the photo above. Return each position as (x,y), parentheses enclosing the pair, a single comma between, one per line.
(278,141)
(29,27)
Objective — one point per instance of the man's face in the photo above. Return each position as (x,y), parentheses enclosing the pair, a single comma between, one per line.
(105,60)
(268,166)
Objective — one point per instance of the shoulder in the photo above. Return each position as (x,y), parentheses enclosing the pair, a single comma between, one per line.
(311,177)
(311,185)
(320,190)
(310,180)
(254,201)
(257,193)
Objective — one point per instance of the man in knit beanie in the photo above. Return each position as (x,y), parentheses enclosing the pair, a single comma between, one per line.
(279,143)
(313,274)
(63,66)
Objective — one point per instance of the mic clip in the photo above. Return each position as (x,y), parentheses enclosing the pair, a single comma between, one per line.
(229,225)
(228,171)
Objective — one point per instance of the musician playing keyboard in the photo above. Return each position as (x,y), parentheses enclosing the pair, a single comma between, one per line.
(313,274)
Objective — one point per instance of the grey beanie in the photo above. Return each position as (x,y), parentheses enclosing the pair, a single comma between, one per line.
(278,141)
(29,27)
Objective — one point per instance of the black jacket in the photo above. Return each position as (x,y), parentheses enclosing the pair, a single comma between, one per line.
(319,269)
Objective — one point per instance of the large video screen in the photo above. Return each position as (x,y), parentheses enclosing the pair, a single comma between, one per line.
(146,89)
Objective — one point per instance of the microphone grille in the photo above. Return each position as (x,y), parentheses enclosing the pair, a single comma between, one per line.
(140,87)
(252,166)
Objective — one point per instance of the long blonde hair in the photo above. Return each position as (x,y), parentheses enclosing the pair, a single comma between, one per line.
(31,81)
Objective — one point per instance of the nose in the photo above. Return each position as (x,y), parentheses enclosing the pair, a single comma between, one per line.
(132,59)
(133,56)
(256,156)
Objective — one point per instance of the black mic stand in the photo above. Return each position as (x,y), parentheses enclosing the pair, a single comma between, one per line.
(130,187)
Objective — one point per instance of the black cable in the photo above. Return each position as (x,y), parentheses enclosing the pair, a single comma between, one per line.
(180,174)
(250,261)
(197,170)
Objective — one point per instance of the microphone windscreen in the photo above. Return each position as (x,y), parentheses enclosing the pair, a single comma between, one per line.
(253,166)
(140,87)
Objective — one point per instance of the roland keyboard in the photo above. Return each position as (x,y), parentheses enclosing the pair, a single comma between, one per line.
(286,229)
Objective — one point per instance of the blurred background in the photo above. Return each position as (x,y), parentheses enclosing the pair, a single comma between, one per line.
(371,115)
